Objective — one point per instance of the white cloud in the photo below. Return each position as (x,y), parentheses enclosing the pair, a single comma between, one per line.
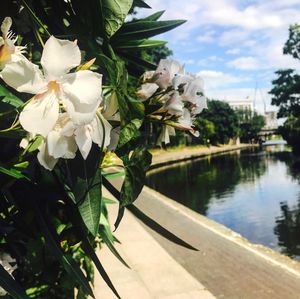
(233,51)
(207,37)
(245,63)
(215,79)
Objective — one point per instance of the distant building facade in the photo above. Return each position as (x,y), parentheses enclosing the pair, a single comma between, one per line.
(270,120)
(244,105)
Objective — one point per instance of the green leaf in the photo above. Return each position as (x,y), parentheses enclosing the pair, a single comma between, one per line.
(135,173)
(9,98)
(86,187)
(10,285)
(130,109)
(130,131)
(145,29)
(140,44)
(114,13)
(107,235)
(91,253)
(155,16)
(33,146)
(112,175)
(15,173)
(67,261)
(111,247)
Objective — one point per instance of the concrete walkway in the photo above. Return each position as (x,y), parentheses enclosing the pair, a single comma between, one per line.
(153,274)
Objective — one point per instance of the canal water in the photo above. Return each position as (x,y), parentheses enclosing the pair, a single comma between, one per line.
(255,192)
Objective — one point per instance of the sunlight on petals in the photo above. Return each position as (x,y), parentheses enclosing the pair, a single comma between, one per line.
(59,57)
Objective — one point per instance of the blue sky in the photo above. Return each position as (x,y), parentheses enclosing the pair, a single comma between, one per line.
(234,45)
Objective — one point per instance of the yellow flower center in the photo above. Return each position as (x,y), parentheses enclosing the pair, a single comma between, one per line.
(5,53)
(53,86)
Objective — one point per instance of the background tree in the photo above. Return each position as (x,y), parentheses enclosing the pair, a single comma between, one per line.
(224,119)
(250,124)
(286,92)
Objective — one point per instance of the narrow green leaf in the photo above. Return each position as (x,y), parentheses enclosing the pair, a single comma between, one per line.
(86,187)
(90,209)
(145,29)
(15,173)
(10,285)
(135,173)
(91,253)
(34,17)
(9,98)
(140,44)
(113,250)
(155,16)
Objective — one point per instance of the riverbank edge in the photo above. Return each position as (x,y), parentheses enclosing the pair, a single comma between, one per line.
(174,157)
(185,154)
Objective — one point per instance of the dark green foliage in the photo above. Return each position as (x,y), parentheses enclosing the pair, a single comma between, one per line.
(285,93)
(224,119)
(250,124)
(286,90)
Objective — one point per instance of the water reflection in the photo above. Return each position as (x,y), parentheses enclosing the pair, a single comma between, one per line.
(254,192)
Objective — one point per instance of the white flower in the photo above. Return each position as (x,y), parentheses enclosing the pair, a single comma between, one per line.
(146,91)
(5,261)
(66,137)
(97,131)
(79,93)
(174,104)
(8,51)
(165,134)
(57,145)
(167,69)
(191,89)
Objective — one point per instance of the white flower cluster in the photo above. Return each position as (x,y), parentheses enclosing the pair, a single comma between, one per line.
(64,109)
(5,261)
(181,95)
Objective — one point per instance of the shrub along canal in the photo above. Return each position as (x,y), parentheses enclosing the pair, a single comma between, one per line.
(255,192)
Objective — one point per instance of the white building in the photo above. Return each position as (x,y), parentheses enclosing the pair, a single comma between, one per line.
(245,105)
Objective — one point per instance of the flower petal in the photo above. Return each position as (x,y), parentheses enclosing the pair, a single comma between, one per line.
(24,76)
(83,87)
(84,140)
(174,105)
(40,115)
(59,57)
(146,91)
(44,158)
(101,129)
(80,114)
(60,146)
(5,26)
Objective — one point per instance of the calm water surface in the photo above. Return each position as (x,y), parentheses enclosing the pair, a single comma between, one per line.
(254,192)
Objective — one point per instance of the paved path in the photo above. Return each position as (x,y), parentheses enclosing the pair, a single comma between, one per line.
(226,264)
(153,274)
